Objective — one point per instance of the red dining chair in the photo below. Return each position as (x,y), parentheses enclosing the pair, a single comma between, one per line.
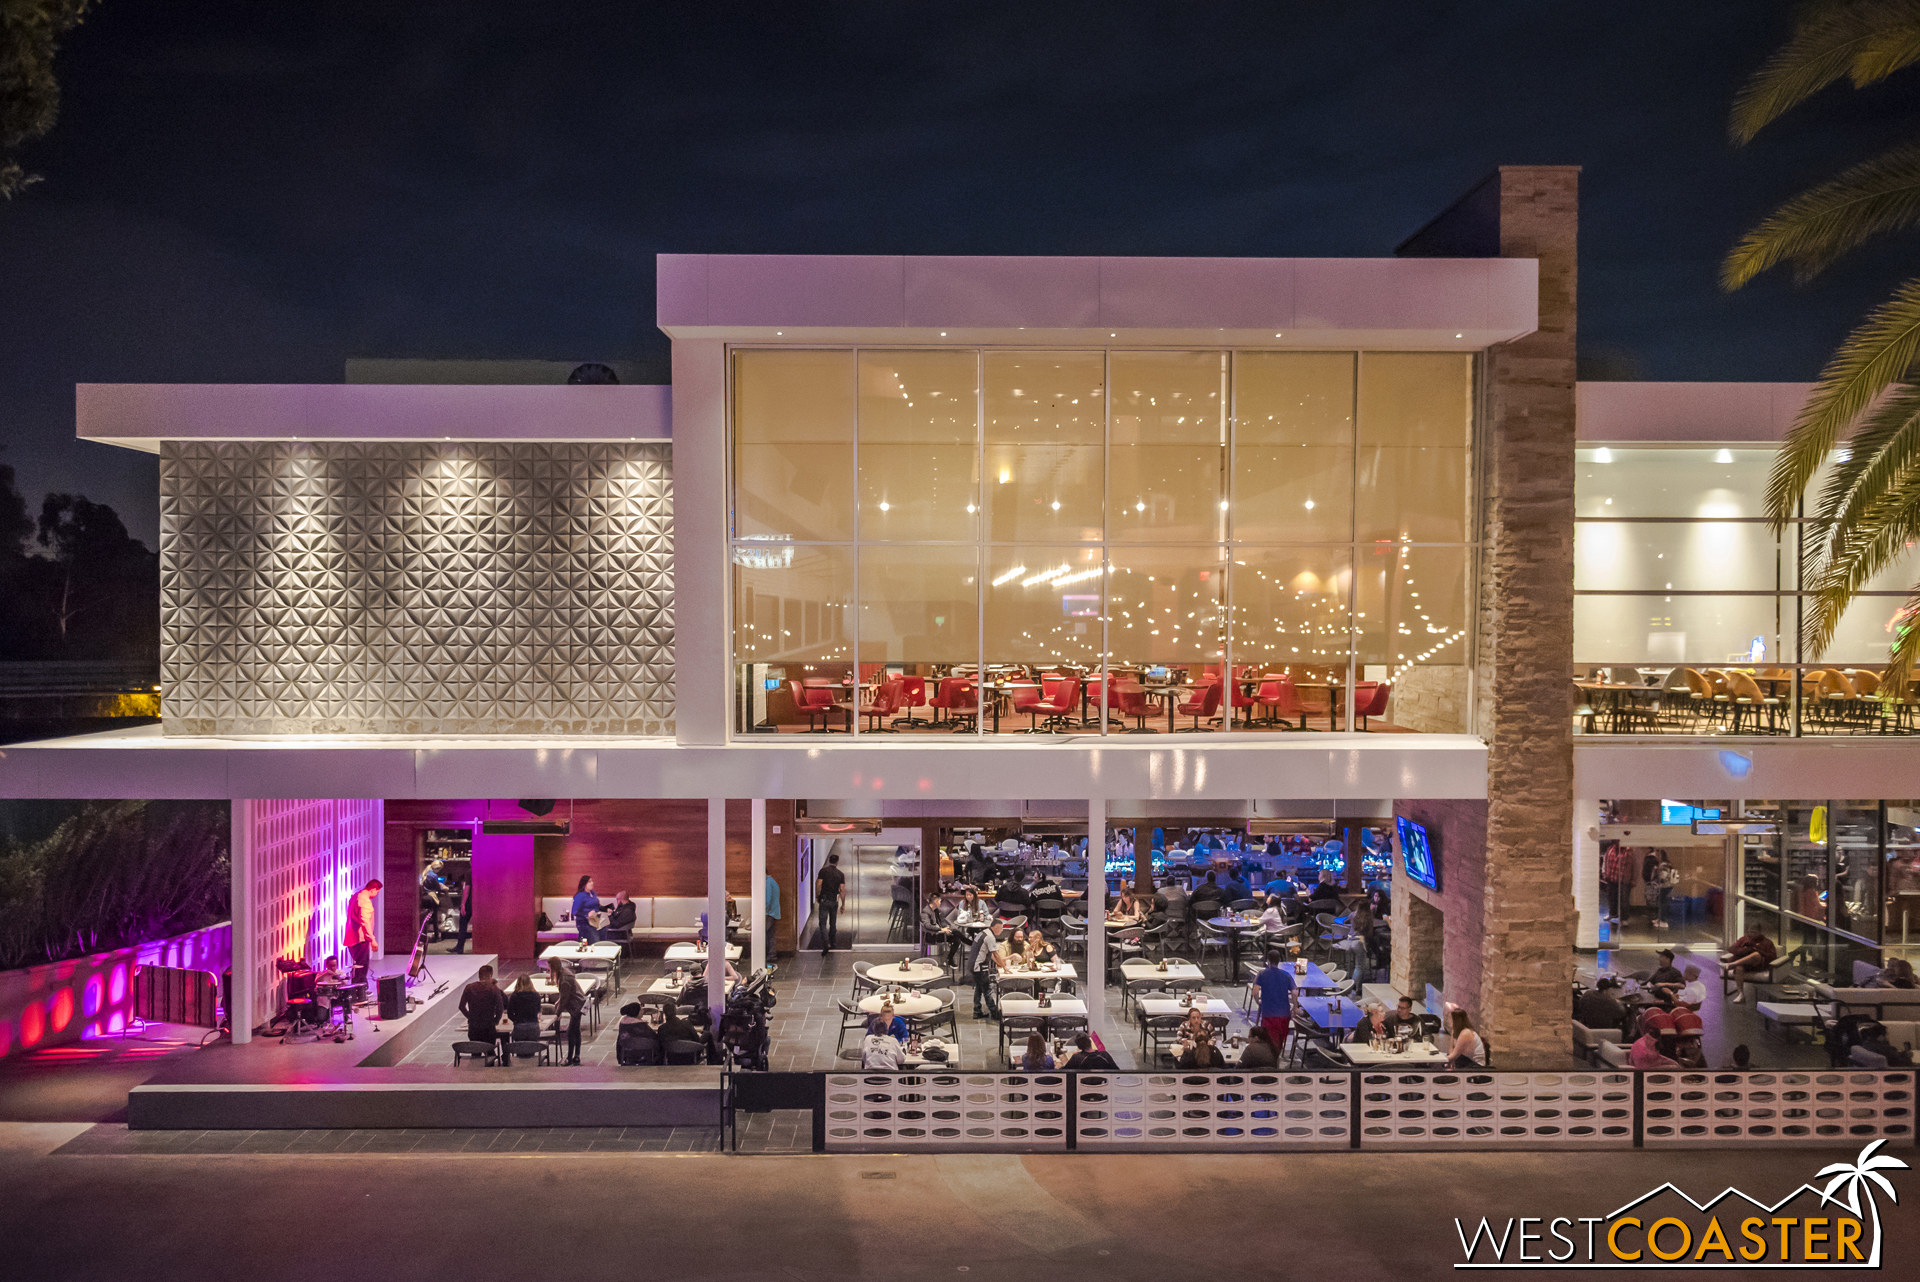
(885,701)
(1277,692)
(913,694)
(1027,694)
(813,702)
(1238,696)
(955,695)
(1370,700)
(1062,701)
(1205,703)
(1132,700)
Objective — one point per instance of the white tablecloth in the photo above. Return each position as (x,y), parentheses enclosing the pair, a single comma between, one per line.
(1173,1006)
(1031,1006)
(688,953)
(919,972)
(906,1004)
(1364,1056)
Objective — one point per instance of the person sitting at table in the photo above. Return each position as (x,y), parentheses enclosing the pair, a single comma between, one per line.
(1601,1007)
(983,962)
(483,1005)
(1272,919)
(1874,1039)
(1008,952)
(880,1050)
(1402,1021)
(585,904)
(1036,1058)
(1012,892)
(1466,1049)
(1128,909)
(1196,1022)
(1666,979)
(1372,1025)
(523,1008)
(1045,887)
(1897,973)
(1260,1051)
(620,921)
(1325,896)
(1749,953)
(981,870)
(889,1023)
(629,1016)
(1202,1053)
(1646,1050)
(569,999)
(676,1027)
(1691,995)
(1235,888)
(1207,898)
(1039,951)
(1089,1057)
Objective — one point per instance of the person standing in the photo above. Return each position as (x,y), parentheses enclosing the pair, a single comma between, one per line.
(466,914)
(773,918)
(1276,1000)
(483,1004)
(585,904)
(568,1000)
(830,893)
(360,936)
(980,961)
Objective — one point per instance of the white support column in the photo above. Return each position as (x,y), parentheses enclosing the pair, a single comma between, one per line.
(757,913)
(717,906)
(240,871)
(1095,986)
(1586,872)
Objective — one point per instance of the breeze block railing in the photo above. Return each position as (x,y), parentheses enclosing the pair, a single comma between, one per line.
(1285,1110)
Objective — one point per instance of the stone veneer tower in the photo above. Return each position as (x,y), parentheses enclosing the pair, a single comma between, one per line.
(1512,966)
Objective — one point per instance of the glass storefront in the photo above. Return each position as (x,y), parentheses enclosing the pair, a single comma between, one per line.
(1831,881)
(1100,542)
(1688,607)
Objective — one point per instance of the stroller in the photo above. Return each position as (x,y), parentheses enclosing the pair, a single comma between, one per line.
(743,1026)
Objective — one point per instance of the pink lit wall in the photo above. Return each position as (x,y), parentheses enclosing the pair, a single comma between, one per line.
(92,996)
(306,858)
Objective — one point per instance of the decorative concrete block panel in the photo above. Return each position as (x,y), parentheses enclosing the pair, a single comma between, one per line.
(392,587)
(306,859)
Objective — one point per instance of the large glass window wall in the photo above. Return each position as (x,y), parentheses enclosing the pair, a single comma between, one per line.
(1688,609)
(1100,542)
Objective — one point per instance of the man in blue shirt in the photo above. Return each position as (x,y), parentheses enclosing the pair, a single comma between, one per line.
(1276,1001)
(773,918)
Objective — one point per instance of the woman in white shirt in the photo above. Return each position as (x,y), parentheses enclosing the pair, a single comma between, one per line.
(1466,1050)
(1273,921)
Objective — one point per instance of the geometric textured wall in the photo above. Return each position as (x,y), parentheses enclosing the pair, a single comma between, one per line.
(344,587)
(306,858)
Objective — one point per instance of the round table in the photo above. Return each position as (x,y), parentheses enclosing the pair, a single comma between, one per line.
(905,1004)
(907,972)
(1231,925)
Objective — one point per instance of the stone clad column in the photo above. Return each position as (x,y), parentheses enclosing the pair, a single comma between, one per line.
(1526,636)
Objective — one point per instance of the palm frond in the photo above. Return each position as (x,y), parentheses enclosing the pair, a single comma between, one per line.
(1831,39)
(1817,227)
(1880,450)
(1879,351)
(1886,527)
(1837,1168)
(1852,1200)
(1885,1184)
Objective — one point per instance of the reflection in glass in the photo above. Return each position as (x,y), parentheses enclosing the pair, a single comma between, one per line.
(1713,556)
(793,444)
(1042,627)
(1045,437)
(1168,446)
(1293,447)
(792,636)
(1692,631)
(1291,617)
(1411,617)
(1415,423)
(919,446)
(917,605)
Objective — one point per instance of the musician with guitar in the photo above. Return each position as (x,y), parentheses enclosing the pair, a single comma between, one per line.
(435,896)
(586,906)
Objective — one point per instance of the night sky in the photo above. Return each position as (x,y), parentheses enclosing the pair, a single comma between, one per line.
(252,192)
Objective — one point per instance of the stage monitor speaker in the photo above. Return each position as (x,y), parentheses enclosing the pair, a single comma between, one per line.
(393,996)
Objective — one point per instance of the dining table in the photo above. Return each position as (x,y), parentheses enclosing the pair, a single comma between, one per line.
(912,972)
(1322,1011)
(1416,1055)
(1032,1006)
(694,953)
(909,1002)
(1623,702)
(1233,925)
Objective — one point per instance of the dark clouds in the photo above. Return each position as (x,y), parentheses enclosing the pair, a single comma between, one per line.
(248,192)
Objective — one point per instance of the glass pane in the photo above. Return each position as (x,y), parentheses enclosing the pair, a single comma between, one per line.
(1291,615)
(1853,834)
(1871,625)
(1167,606)
(792,640)
(1901,890)
(793,444)
(1045,434)
(1697,631)
(1293,447)
(1640,482)
(1168,450)
(918,605)
(1615,556)
(1411,616)
(919,451)
(1043,638)
(1415,423)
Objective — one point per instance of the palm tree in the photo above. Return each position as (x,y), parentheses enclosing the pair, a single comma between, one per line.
(1868,509)
(1855,1176)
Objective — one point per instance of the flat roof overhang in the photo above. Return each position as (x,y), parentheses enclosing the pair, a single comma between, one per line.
(141,415)
(1462,304)
(1747,769)
(142,762)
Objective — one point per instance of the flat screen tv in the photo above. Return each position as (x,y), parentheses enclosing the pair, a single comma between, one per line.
(1416,854)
